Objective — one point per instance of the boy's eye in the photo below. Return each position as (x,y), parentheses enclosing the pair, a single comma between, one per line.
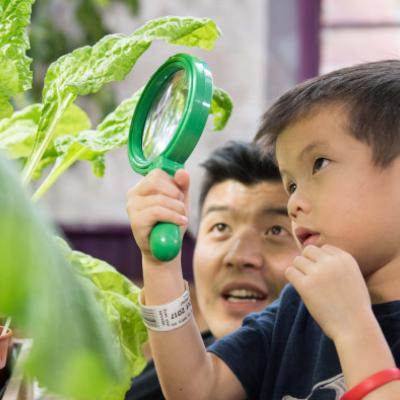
(319,163)
(291,187)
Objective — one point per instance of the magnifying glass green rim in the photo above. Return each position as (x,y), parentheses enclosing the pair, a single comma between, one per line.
(193,119)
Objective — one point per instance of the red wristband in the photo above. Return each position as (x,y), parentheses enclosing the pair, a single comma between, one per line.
(359,391)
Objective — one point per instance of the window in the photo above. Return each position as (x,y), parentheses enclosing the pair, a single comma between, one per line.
(356,31)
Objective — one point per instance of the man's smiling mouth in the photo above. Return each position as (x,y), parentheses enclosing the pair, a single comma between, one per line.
(239,295)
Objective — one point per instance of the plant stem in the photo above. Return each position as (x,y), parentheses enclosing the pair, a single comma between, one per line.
(58,169)
(38,153)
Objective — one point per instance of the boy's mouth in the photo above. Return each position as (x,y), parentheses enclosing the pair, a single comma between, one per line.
(306,236)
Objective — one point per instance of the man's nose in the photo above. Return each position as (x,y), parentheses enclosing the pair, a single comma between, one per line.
(246,251)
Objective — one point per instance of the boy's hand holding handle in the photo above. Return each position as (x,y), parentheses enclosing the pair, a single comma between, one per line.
(333,289)
(157,196)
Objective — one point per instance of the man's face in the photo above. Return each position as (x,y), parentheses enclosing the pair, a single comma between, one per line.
(243,247)
(337,195)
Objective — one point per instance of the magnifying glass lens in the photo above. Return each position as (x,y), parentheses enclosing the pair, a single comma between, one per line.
(165,115)
(166,125)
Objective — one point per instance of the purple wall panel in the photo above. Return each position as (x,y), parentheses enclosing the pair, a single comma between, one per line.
(309,46)
(115,244)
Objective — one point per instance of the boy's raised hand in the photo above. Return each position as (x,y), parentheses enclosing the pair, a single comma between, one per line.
(332,287)
(158,197)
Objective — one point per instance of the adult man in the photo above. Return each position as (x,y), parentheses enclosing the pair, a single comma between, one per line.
(244,244)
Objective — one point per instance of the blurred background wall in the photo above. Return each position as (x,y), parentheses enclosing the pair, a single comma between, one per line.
(266,47)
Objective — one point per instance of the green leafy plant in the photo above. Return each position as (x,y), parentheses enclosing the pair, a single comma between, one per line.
(87,69)
(49,41)
(74,350)
(56,133)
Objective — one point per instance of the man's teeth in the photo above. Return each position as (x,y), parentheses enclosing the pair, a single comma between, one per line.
(243,294)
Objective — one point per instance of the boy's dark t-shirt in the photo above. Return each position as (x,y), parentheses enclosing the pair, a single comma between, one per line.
(146,385)
(282,354)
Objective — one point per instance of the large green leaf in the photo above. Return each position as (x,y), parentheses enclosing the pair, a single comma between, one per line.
(73,121)
(88,68)
(14,63)
(74,349)
(119,298)
(184,31)
(18,132)
(8,85)
(91,145)
(111,133)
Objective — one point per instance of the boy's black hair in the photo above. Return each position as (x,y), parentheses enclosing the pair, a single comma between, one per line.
(370,93)
(239,161)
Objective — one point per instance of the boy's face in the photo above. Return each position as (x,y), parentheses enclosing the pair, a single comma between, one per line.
(243,247)
(337,195)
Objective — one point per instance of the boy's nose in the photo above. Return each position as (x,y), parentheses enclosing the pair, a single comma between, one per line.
(297,204)
(245,252)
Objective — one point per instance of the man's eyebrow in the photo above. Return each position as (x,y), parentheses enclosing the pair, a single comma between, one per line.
(215,209)
(279,210)
(274,210)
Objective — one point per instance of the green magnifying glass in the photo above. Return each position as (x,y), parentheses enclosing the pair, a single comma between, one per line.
(166,126)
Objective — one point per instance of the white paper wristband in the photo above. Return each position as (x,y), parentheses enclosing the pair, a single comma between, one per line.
(169,316)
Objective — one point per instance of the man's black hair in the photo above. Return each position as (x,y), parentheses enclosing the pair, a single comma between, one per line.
(239,161)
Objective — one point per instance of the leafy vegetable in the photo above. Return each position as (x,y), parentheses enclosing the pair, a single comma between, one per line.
(87,69)
(49,40)
(119,298)
(17,133)
(40,290)
(112,133)
(15,74)
(91,145)
(221,107)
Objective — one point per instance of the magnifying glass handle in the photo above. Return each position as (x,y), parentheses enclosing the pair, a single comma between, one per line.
(165,241)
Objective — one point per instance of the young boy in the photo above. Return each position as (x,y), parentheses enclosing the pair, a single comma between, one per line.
(337,141)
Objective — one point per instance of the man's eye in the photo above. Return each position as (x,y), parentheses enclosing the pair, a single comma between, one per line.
(276,230)
(319,163)
(220,227)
